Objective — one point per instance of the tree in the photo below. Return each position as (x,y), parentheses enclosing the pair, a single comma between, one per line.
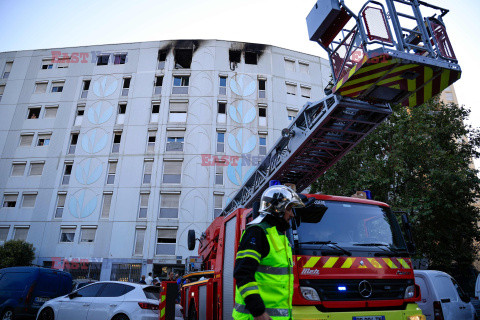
(15,253)
(419,161)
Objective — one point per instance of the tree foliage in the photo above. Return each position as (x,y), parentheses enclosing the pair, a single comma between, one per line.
(16,253)
(420,161)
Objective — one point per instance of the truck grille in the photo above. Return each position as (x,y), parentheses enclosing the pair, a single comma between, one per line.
(348,290)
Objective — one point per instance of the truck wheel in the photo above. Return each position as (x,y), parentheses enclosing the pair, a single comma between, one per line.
(192,312)
(46,314)
(7,315)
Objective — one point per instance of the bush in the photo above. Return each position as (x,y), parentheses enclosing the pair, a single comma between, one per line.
(15,253)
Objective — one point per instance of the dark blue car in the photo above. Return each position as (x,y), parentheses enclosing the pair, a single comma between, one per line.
(23,290)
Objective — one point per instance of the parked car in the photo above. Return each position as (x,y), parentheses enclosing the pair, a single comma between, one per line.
(442,297)
(23,290)
(105,300)
(79,283)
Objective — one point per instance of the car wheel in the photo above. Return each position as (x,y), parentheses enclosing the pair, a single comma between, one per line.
(7,315)
(46,314)
(121,317)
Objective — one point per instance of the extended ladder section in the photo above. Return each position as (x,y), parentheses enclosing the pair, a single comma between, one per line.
(370,62)
(320,135)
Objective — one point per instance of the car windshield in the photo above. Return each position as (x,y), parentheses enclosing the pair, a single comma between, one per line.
(349,225)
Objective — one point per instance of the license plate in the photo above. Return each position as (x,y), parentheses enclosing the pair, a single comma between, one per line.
(369,318)
(41,299)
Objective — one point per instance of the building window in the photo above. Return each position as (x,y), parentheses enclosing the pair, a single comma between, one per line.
(47,64)
(158,84)
(85,88)
(126,86)
(218,205)
(87,234)
(28,200)
(106,204)
(169,205)
(57,86)
(262,84)
(172,171)
(180,84)
(4,234)
(251,57)
(183,58)
(102,60)
(2,90)
(67,172)
(291,88)
(26,139)
(41,87)
(73,143)
(166,241)
(117,138)
(20,233)
(262,145)
(120,58)
(112,168)
(139,239)
(34,112)
(43,139)
(79,115)
(152,137)
(220,142)
(292,114)
(234,56)
(10,200)
(161,58)
(178,111)
(303,67)
(60,204)
(8,69)
(155,116)
(51,112)
(67,235)
(142,211)
(219,173)
(63,62)
(222,112)
(305,91)
(18,169)
(147,171)
(262,116)
(122,108)
(223,85)
(174,144)
(289,65)
(36,168)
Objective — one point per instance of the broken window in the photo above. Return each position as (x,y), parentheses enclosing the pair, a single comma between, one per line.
(162,57)
(251,57)
(183,58)
(234,55)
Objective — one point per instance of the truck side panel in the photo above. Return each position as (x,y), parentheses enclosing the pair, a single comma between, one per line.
(228,288)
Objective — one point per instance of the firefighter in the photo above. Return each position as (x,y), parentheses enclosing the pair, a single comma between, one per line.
(263,266)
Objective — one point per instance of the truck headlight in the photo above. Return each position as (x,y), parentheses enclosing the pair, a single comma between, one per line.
(309,293)
(409,293)
(419,317)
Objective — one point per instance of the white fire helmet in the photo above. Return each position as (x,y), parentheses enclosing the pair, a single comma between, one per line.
(277,198)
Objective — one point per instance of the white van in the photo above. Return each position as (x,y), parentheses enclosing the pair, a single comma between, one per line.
(442,297)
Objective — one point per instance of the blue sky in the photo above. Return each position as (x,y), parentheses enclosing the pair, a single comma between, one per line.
(53,24)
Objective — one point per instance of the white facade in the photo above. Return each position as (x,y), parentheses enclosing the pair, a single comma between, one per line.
(142,135)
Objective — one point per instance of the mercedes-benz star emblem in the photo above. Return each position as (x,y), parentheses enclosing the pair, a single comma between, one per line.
(365,289)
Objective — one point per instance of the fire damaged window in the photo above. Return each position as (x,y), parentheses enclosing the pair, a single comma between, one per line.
(251,57)
(183,58)
(234,55)
(162,57)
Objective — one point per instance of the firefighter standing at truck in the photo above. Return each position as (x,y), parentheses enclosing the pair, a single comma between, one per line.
(263,266)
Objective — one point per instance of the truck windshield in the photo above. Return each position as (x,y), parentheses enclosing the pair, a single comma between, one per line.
(355,226)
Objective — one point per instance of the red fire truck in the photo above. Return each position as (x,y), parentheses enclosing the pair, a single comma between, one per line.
(351,261)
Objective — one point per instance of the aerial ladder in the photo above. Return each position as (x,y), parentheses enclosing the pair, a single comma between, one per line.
(387,53)
(376,59)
